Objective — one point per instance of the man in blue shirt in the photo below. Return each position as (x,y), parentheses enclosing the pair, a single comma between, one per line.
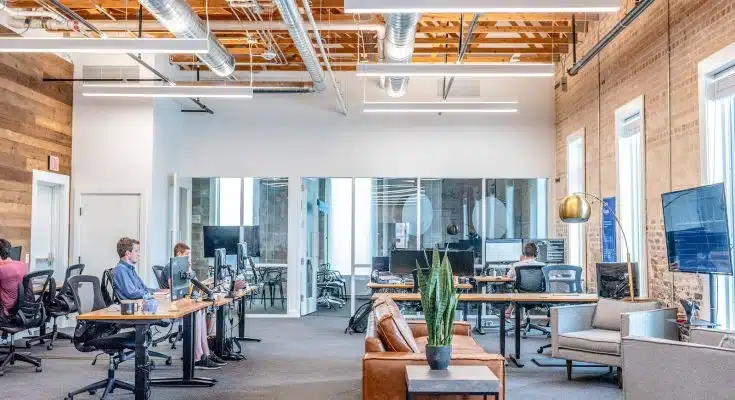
(128,285)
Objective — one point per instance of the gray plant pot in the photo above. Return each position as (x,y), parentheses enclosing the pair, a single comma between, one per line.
(438,357)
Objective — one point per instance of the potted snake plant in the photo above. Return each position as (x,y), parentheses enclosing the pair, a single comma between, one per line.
(439,301)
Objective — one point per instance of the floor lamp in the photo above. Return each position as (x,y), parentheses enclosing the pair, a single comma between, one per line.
(574,209)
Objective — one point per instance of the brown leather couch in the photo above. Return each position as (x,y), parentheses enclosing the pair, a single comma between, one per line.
(392,342)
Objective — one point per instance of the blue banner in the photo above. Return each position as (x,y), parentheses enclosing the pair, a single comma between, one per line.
(609,238)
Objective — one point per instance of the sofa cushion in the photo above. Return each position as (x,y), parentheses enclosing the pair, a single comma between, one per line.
(607,312)
(601,341)
(393,330)
(460,345)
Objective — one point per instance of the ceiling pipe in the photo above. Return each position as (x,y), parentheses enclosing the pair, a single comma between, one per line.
(400,36)
(628,19)
(20,13)
(292,19)
(464,46)
(181,20)
(340,97)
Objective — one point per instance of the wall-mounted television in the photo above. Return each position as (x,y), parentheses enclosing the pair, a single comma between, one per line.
(697,231)
(221,237)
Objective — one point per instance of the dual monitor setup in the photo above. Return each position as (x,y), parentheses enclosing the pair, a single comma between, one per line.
(504,251)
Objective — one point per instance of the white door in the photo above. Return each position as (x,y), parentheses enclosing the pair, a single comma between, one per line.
(45,228)
(103,220)
(309,243)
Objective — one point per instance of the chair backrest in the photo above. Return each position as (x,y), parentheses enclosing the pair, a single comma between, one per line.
(158,271)
(72,270)
(563,278)
(530,279)
(108,288)
(30,311)
(87,293)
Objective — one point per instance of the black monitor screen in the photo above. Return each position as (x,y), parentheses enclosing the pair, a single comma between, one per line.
(15,253)
(550,251)
(403,262)
(381,264)
(221,237)
(697,231)
(251,236)
(177,270)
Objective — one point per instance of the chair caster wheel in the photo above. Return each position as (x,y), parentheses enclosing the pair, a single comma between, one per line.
(169,361)
(69,397)
(92,392)
(50,347)
(540,351)
(2,373)
(39,369)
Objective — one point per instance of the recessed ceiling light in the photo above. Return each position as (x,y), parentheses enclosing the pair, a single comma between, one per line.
(195,91)
(108,46)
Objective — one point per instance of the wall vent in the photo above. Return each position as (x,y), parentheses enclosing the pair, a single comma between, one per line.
(460,88)
(110,72)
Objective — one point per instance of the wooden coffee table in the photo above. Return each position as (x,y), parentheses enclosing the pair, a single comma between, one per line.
(464,380)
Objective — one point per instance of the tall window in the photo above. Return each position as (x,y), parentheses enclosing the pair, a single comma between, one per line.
(719,162)
(230,201)
(575,184)
(630,172)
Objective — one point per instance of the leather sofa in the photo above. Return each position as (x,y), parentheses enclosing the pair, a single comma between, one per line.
(392,342)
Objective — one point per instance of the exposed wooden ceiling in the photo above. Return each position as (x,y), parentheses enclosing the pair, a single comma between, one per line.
(539,37)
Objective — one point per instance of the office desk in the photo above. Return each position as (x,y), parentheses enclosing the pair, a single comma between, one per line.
(409,286)
(505,299)
(184,309)
(485,281)
(494,279)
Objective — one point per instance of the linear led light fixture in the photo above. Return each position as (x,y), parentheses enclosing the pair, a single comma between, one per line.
(195,91)
(107,46)
(457,70)
(480,6)
(404,107)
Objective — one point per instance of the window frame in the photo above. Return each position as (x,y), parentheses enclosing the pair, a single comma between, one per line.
(574,140)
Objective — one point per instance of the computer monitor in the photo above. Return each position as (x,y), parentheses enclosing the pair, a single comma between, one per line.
(461,261)
(220,268)
(15,253)
(381,264)
(503,250)
(403,262)
(221,237)
(612,280)
(550,251)
(251,236)
(178,268)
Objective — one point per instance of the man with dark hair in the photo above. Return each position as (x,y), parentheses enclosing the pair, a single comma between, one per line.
(530,252)
(11,275)
(128,285)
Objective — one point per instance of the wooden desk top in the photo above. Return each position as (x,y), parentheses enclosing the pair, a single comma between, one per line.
(239,294)
(493,279)
(505,297)
(182,308)
(408,286)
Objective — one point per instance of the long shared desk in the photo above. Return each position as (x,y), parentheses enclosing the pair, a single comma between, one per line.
(505,299)
(184,309)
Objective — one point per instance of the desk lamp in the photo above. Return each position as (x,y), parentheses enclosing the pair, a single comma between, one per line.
(575,209)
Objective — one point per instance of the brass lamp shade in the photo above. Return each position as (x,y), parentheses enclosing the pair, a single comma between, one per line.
(574,209)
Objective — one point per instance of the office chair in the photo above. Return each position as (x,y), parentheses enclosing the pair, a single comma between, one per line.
(28,313)
(99,336)
(58,304)
(172,337)
(160,274)
(336,277)
(530,279)
(561,279)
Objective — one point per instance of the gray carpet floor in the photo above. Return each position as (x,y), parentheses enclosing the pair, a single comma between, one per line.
(307,358)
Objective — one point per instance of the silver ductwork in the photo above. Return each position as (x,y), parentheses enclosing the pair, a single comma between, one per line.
(400,36)
(181,20)
(292,18)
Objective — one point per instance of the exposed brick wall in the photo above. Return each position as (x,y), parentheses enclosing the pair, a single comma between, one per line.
(638,63)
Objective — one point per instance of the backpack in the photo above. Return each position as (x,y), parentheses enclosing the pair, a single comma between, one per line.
(358,321)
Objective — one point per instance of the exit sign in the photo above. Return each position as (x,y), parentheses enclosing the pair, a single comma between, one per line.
(53,163)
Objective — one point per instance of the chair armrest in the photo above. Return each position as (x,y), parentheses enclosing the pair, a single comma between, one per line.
(652,323)
(419,328)
(707,336)
(569,319)
(665,369)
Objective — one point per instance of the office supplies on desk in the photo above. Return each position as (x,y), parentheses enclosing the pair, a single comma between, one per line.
(128,307)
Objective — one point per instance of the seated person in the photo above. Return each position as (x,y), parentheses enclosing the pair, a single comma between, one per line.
(205,359)
(127,283)
(11,275)
(530,252)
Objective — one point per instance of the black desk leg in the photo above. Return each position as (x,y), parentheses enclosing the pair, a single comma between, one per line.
(219,342)
(188,379)
(502,333)
(142,369)
(517,357)
(465,310)
(241,327)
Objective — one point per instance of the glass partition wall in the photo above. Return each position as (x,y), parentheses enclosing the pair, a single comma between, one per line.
(257,209)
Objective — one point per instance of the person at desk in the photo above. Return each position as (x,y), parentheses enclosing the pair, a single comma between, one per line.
(528,257)
(11,275)
(205,359)
(128,285)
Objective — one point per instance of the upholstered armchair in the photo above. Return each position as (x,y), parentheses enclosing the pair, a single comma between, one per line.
(593,332)
(665,369)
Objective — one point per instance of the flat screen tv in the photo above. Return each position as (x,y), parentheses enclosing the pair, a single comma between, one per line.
(221,237)
(697,232)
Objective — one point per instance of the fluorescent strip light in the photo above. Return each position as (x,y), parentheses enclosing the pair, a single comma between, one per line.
(199,91)
(479,6)
(434,108)
(90,45)
(457,70)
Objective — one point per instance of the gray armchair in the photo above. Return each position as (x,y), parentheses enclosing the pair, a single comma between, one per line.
(665,369)
(593,333)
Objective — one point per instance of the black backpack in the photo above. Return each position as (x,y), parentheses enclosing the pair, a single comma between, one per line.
(358,322)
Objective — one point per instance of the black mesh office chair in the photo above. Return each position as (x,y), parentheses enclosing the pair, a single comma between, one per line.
(28,313)
(530,279)
(58,304)
(561,279)
(99,336)
(159,272)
